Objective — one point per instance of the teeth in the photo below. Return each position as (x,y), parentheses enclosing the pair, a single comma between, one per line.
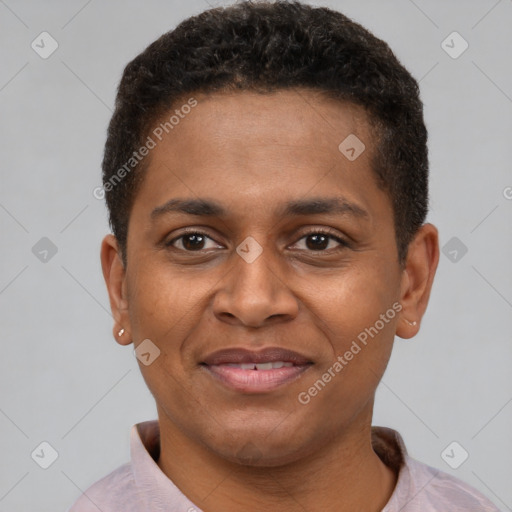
(278,364)
(264,366)
(261,366)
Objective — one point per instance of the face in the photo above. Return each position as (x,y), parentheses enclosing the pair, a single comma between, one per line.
(255,240)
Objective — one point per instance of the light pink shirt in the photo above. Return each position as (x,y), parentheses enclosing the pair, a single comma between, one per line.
(140,485)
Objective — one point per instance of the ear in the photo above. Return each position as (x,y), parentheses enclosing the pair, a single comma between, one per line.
(417,278)
(115,278)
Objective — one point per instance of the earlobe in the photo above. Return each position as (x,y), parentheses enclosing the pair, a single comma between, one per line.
(417,279)
(121,336)
(115,279)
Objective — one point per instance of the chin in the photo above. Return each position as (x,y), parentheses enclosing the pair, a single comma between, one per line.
(258,455)
(265,447)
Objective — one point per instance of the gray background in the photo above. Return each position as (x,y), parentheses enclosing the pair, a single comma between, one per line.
(64,380)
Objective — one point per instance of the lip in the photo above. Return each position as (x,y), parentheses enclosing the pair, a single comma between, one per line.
(220,366)
(243,355)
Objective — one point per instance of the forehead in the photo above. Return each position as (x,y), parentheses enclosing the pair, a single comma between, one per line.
(300,120)
(259,149)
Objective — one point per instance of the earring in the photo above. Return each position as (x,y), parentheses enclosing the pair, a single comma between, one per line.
(411,323)
(121,332)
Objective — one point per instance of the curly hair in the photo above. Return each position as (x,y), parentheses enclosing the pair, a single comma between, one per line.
(264,47)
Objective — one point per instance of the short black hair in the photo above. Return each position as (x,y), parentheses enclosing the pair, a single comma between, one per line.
(264,47)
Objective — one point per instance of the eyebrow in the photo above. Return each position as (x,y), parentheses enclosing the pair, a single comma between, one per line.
(312,206)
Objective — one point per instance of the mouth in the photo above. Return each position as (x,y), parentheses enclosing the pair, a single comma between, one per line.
(256,372)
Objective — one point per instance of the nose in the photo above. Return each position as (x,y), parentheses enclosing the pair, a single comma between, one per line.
(256,293)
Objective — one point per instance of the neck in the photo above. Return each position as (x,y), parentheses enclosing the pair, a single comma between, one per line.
(344,475)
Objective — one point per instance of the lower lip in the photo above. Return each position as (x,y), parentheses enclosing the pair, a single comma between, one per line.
(255,381)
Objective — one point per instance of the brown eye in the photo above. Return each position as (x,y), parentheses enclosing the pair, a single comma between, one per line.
(320,241)
(193,241)
(317,241)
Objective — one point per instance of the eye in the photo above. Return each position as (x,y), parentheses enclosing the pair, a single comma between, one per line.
(191,241)
(320,240)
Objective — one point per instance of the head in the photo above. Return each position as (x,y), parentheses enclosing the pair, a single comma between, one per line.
(289,143)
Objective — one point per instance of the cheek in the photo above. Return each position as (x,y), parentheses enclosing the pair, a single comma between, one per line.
(358,317)
(161,302)
(168,306)
(354,302)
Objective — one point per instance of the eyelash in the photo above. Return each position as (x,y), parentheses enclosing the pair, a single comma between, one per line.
(319,231)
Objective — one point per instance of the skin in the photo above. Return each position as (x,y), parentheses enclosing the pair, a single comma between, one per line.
(252,153)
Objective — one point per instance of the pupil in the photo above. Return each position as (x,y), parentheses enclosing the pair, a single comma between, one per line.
(323,243)
(197,240)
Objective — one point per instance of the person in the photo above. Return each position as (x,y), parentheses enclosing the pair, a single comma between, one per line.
(266,174)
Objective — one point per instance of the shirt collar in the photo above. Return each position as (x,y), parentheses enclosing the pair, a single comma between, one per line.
(156,490)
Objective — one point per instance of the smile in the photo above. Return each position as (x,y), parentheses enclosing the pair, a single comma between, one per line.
(246,371)
(260,366)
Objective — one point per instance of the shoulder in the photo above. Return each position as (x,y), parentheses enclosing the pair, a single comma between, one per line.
(115,491)
(430,489)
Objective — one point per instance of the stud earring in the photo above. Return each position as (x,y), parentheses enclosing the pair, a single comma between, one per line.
(410,323)
(121,332)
